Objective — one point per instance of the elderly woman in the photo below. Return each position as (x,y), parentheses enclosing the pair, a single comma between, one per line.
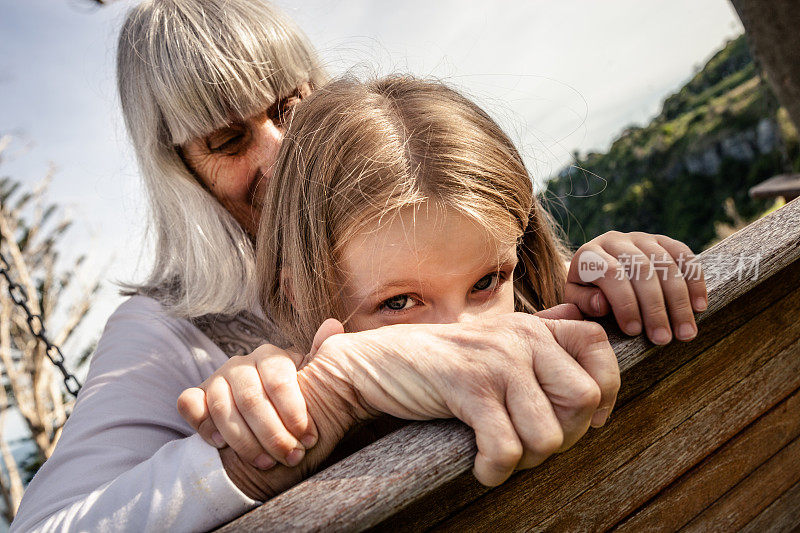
(204,86)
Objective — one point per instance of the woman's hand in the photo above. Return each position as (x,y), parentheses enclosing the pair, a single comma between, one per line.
(253,403)
(642,278)
(529,386)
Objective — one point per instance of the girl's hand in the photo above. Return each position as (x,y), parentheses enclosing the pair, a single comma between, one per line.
(253,404)
(642,278)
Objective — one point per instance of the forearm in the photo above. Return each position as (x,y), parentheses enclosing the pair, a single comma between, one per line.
(335,408)
(179,488)
(125,459)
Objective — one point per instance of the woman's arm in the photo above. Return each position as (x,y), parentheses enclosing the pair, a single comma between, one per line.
(126,460)
(528,386)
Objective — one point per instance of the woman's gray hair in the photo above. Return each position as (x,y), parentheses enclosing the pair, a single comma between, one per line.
(184,69)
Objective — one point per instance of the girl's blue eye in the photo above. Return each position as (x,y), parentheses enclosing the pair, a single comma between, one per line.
(487,282)
(397,303)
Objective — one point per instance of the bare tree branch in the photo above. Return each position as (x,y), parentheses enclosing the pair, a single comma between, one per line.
(13,488)
(30,235)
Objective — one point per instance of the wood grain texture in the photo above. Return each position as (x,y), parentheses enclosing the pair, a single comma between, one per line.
(777,241)
(431,509)
(701,486)
(383,478)
(338,493)
(652,442)
(782,516)
(660,360)
(753,494)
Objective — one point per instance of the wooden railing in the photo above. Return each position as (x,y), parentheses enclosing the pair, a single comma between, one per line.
(704,435)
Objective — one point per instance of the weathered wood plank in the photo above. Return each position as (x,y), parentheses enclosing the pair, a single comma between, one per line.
(661,361)
(633,427)
(451,452)
(752,495)
(377,483)
(687,497)
(710,379)
(782,516)
(599,498)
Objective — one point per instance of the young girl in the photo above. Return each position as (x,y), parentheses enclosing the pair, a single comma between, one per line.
(401,201)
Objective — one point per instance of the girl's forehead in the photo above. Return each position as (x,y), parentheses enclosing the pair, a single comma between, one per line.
(422,245)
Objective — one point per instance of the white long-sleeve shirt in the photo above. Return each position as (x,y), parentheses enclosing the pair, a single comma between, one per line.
(126,460)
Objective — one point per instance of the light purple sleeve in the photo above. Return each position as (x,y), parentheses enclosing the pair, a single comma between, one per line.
(126,460)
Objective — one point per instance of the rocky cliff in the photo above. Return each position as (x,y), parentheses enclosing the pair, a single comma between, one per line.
(720,134)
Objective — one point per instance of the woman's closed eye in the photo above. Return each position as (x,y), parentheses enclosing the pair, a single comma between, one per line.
(226,140)
(281,111)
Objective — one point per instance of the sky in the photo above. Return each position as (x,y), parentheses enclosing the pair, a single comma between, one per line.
(559,77)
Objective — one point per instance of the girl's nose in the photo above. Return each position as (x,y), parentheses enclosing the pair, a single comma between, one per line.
(452,314)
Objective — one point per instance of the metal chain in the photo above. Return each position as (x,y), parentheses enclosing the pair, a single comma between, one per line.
(36,327)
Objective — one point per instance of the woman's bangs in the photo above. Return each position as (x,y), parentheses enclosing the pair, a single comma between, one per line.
(202,81)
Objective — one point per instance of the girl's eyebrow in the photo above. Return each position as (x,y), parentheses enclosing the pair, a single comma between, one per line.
(383,288)
(507,260)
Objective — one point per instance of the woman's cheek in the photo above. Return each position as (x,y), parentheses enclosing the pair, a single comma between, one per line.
(234,181)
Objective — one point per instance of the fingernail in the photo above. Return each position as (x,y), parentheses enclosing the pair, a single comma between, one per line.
(660,336)
(633,328)
(264,462)
(686,331)
(700,303)
(294,457)
(600,417)
(219,442)
(309,440)
(596,302)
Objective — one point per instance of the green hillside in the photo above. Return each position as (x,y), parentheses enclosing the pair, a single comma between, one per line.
(722,133)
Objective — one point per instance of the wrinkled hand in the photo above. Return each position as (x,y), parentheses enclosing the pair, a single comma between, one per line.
(528,385)
(650,279)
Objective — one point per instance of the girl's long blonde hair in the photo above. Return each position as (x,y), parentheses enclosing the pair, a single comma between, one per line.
(357,152)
